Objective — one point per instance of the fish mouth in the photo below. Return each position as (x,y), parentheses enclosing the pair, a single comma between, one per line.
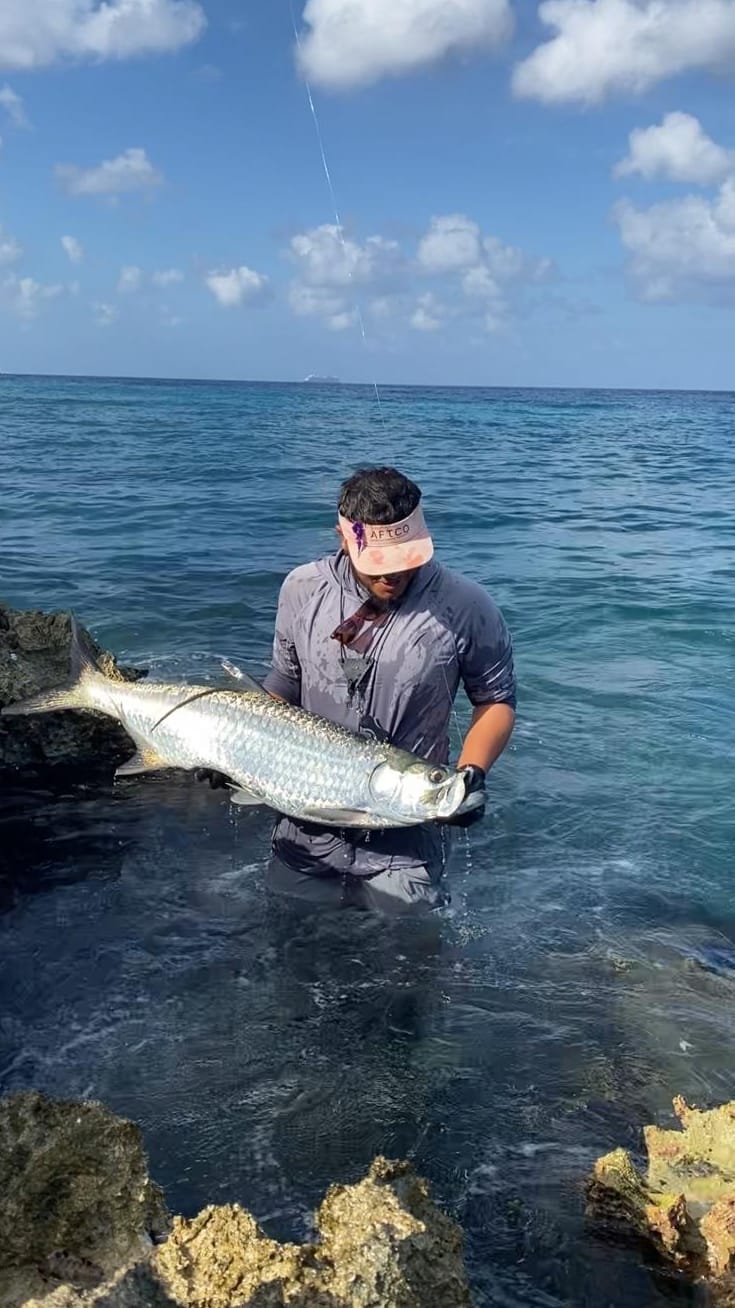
(450,796)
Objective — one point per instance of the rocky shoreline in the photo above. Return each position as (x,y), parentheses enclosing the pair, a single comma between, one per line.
(83,1225)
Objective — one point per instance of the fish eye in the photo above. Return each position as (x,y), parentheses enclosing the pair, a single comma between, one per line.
(436,775)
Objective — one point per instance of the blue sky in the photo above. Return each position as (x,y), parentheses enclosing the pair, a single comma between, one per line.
(527,196)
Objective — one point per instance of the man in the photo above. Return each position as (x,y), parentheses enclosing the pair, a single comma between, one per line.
(377,638)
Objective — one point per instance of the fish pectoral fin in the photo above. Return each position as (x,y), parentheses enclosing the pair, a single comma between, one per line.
(145,760)
(337,817)
(245,798)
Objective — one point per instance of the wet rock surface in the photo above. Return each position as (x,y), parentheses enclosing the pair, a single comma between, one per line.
(35,656)
(683,1205)
(76,1201)
(82,1224)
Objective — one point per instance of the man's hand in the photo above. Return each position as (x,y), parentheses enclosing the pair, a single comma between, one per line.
(474,785)
(217,780)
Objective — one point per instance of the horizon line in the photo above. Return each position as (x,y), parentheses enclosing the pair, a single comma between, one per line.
(369,385)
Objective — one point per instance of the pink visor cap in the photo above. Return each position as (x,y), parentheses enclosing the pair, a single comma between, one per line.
(380,550)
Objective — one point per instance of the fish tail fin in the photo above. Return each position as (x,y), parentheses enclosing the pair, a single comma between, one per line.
(75,692)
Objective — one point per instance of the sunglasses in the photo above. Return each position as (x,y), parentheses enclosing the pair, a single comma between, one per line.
(350,629)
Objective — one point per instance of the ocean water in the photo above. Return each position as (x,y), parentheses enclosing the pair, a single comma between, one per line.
(585,972)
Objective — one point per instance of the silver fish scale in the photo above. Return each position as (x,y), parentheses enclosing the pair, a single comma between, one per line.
(298,763)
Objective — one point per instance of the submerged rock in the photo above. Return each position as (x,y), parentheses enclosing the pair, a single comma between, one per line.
(684,1204)
(35,656)
(81,1224)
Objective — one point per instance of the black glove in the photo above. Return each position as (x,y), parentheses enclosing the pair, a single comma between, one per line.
(217,780)
(474,785)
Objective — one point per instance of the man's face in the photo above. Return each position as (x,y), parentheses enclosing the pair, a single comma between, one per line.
(386,590)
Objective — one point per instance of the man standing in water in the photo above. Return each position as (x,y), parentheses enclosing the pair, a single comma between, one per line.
(377,638)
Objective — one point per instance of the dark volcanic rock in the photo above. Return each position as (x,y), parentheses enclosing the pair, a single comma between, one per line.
(35,656)
(76,1201)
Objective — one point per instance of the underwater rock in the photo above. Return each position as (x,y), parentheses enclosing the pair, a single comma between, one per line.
(684,1204)
(35,656)
(81,1224)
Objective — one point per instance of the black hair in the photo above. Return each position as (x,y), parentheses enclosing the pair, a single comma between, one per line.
(378,495)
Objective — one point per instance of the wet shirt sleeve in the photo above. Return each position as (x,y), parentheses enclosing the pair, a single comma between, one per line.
(284,677)
(485,652)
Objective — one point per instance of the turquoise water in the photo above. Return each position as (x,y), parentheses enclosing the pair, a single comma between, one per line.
(586,970)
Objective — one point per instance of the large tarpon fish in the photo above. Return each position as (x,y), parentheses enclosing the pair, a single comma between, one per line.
(275,754)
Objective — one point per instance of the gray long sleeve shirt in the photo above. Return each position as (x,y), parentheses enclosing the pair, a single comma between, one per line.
(445,630)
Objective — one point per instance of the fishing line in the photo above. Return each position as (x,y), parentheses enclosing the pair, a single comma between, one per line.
(333,197)
(467,841)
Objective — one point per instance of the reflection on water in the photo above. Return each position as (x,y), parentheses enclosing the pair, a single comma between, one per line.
(267,1050)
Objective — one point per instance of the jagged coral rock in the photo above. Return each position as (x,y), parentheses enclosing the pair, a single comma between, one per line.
(383,1245)
(718,1229)
(79,1216)
(221,1258)
(388,1245)
(699,1160)
(684,1205)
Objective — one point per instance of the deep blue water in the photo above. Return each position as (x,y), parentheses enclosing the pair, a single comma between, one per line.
(586,971)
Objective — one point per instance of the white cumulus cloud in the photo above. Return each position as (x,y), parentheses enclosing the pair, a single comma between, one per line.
(356,42)
(428,314)
(334,271)
(72,249)
(167,277)
(478,283)
(105,314)
(682,249)
(451,243)
(236,286)
(130,171)
(481,270)
(605,47)
(327,257)
(677,148)
(321,302)
(130,279)
(36,33)
(10,250)
(24,296)
(456,271)
(13,105)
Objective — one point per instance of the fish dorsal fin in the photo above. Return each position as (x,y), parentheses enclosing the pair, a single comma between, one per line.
(245,680)
(145,760)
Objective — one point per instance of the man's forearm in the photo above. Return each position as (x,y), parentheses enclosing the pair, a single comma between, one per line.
(491,729)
